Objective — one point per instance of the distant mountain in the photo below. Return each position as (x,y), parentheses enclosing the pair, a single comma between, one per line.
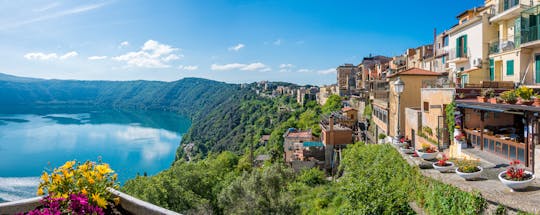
(6,77)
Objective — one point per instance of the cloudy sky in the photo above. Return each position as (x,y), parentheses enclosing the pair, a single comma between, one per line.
(299,41)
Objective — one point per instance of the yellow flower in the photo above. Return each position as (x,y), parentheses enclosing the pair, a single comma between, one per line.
(83,191)
(45,177)
(84,167)
(102,203)
(90,180)
(56,178)
(40,191)
(116,200)
(104,169)
(68,165)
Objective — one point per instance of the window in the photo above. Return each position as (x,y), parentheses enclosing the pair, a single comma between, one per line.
(510,67)
(445,41)
(464,80)
(461,46)
(426,106)
(443,59)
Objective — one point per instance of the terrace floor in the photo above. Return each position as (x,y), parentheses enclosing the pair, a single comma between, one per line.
(488,184)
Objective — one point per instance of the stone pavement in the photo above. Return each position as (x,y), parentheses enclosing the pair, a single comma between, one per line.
(488,184)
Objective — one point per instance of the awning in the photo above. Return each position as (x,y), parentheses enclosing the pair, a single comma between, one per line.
(478,106)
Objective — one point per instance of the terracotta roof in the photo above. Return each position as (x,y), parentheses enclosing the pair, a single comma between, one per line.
(416,71)
(347,109)
(301,134)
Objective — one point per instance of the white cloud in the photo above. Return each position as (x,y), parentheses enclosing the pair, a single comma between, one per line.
(124,44)
(327,71)
(151,55)
(239,66)
(58,14)
(40,56)
(69,55)
(237,47)
(97,57)
(285,67)
(49,56)
(304,70)
(277,42)
(188,67)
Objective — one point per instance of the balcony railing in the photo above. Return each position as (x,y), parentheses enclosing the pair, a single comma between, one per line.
(499,46)
(453,54)
(529,34)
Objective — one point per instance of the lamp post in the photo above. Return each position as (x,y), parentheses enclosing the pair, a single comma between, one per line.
(398,87)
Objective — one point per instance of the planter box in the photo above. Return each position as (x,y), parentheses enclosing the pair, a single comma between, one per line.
(469,176)
(427,156)
(444,168)
(127,202)
(516,185)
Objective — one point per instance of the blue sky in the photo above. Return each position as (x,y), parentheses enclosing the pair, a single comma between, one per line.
(299,41)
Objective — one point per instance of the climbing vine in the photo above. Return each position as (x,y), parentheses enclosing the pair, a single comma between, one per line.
(450,118)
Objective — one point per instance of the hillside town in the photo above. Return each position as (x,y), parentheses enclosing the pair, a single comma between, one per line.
(472,93)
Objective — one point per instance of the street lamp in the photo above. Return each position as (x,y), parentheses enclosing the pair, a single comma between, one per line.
(398,87)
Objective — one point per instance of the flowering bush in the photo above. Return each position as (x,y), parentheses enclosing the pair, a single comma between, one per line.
(426,148)
(516,173)
(460,137)
(77,187)
(442,161)
(74,204)
(468,166)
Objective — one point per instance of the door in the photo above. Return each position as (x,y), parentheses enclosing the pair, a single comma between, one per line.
(498,71)
(537,69)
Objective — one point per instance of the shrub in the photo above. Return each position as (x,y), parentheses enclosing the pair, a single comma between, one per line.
(524,93)
(487,92)
(382,136)
(509,96)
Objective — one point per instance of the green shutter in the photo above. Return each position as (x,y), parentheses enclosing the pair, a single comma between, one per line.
(465,45)
(491,69)
(537,62)
(458,47)
(510,67)
(517,32)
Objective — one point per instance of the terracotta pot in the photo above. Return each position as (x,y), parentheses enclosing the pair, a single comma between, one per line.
(536,102)
(493,100)
(481,99)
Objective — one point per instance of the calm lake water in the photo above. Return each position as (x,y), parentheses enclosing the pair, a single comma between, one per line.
(34,140)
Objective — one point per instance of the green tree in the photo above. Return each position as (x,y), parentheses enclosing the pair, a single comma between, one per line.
(332,104)
(262,191)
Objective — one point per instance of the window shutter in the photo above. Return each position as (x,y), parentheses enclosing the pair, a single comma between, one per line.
(491,69)
(510,67)
(465,45)
(458,45)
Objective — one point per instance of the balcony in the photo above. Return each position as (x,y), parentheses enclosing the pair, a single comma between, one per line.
(504,45)
(509,9)
(458,56)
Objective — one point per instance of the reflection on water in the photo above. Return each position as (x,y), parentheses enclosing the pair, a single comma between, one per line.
(130,141)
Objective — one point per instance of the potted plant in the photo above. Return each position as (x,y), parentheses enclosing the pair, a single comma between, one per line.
(515,177)
(427,152)
(536,100)
(78,189)
(468,169)
(509,97)
(525,95)
(485,94)
(382,137)
(407,148)
(443,165)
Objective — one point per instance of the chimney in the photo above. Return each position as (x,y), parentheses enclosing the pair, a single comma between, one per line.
(331,122)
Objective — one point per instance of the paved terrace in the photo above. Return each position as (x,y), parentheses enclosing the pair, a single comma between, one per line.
(488,184)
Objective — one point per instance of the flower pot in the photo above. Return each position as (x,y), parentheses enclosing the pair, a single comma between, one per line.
(516,185)
(407,151)
(481,99)
(443,168)
(427,156)
(469,176)
(493,100)
(536,102)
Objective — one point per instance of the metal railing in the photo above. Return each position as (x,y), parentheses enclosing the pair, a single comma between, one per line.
(453,53)
(529,34)
(507,44)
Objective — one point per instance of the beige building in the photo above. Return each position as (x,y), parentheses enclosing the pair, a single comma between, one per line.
(346,79)
(325,92)
(413,79)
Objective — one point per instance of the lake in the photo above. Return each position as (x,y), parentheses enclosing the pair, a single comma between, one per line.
(38,139)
